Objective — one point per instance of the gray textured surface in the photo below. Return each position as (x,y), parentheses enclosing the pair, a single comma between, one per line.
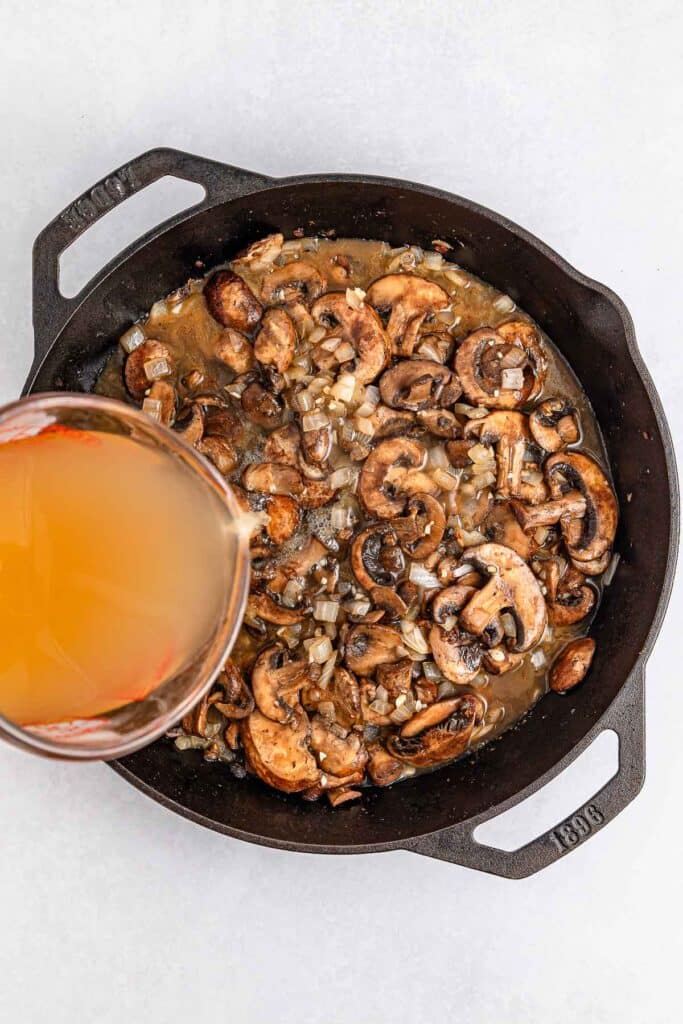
(564,117)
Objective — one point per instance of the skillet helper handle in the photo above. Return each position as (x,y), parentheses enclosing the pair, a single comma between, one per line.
(221,182)
(626,717)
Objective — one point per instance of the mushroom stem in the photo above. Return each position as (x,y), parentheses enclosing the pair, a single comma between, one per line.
(570,506)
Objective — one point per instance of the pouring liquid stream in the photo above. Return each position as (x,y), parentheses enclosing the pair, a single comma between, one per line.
(115,566)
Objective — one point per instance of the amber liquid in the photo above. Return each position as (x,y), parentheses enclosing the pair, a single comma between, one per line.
(115,564)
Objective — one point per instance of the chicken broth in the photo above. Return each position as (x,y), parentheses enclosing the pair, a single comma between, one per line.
(434,501)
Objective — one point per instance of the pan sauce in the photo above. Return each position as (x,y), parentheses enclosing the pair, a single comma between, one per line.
(183,323)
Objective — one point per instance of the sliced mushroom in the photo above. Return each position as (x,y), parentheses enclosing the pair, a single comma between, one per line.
(395,677)
(409,300)
(439,733)
(370,646)
(448,603)
(342,692)
(511,587)
(236,699)
(555,424)
(571,599)
(276,340)
(457,654)
(234,350)
(149,362)
(572,664)
(272,478)
(593,566)
(388,422)
(262,606)
(299,564)
(279,753)
(220,452)
(421,530)
(317,444)
(441,423)
(383,769)
(261,254)
(277,681)
(458,453)
(283,446)
(418,384)
(389,602)
(284,516)
(296,282)
(315,494)
(341,756)
(488,360)
(361,327)
(590,537)
(231,301)
(191,426)
(376,558)
(384,471)
(261,407)
(502,527)
(509,432)
(499,660)
(571,505)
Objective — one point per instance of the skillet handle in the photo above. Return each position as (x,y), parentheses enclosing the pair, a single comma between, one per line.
(222,182)
(626,717)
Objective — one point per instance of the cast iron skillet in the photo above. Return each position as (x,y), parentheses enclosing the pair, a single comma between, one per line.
(434,814)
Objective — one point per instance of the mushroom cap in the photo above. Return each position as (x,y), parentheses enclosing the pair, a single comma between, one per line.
(231,301)
(368,646)
(441,423)
(261,407)
(376,559)
(297,281)
(554,424)
(283,445)
(276,681)
(275,342)
(416,384)
(272,478)
(502,527)
(411,299)
(421,531)
(457,654)
(284,515)
(511,587)
(279,753)
(237,701)
(378,494)
(572,664)
(220,452)
(447,730)
(389,422)
(590,537)
(383,769)
(234,350)
(360,326)
(480,372)
(343,756)
(262,606)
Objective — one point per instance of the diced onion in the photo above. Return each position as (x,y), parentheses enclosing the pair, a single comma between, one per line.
(381,693)
(432,260)
(315,420)
(342,477)
(292,593)
(504,304)
(445,480)
(344,352)
(512,379)
(431,671)
(538,659)
(158,309)
(414,637)
(463,570)
(328,670)
(422,577)
(370,401)
(152,406)
(480,453)
(354,297)
(437,457)
(316,335)
(340,517)
(319,649)
(365,426)
(330,344)
(454,277)
(358,608)
(380,707)
(401,714)
(509,624)
(344,387)
(532,476)
(325,611)
(155,369)
(430,351)
(445,690)
(483,480)
(133,337)
(473,412)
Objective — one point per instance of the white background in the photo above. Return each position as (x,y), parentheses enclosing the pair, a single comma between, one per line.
(567,118)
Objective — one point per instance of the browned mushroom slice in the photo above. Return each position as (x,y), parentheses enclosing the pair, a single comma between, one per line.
(439,733)
(283,446)
(448,603)
(300,564)
(261,254)
(272,478)
(279,753)
(315,494)
(387,601)
(458,453)
(161,402)
(361,327)
(317,444)
(499,660)
(383,472)
(194,722)
(383,769)
(284,516)
(573,599)
(342,692)
(511,587)
(376,558)
(395,677)
(409,300)
(234,350)
(441,423)
(388,422)
(149,362)
(571,505)
(502,368)
(421,530)
(509,432)
(227,423)
(416,384)
(502,527)
(572,664)
(296,282)
(341,756)
(337,797)
(555,424)
(458,655)
(261,407)
(231,301)
(220,452)
(190,426)
(262,606)
(236,700)
(590,537)
(276,682)
(276,340)
(370,646)
(593,566)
